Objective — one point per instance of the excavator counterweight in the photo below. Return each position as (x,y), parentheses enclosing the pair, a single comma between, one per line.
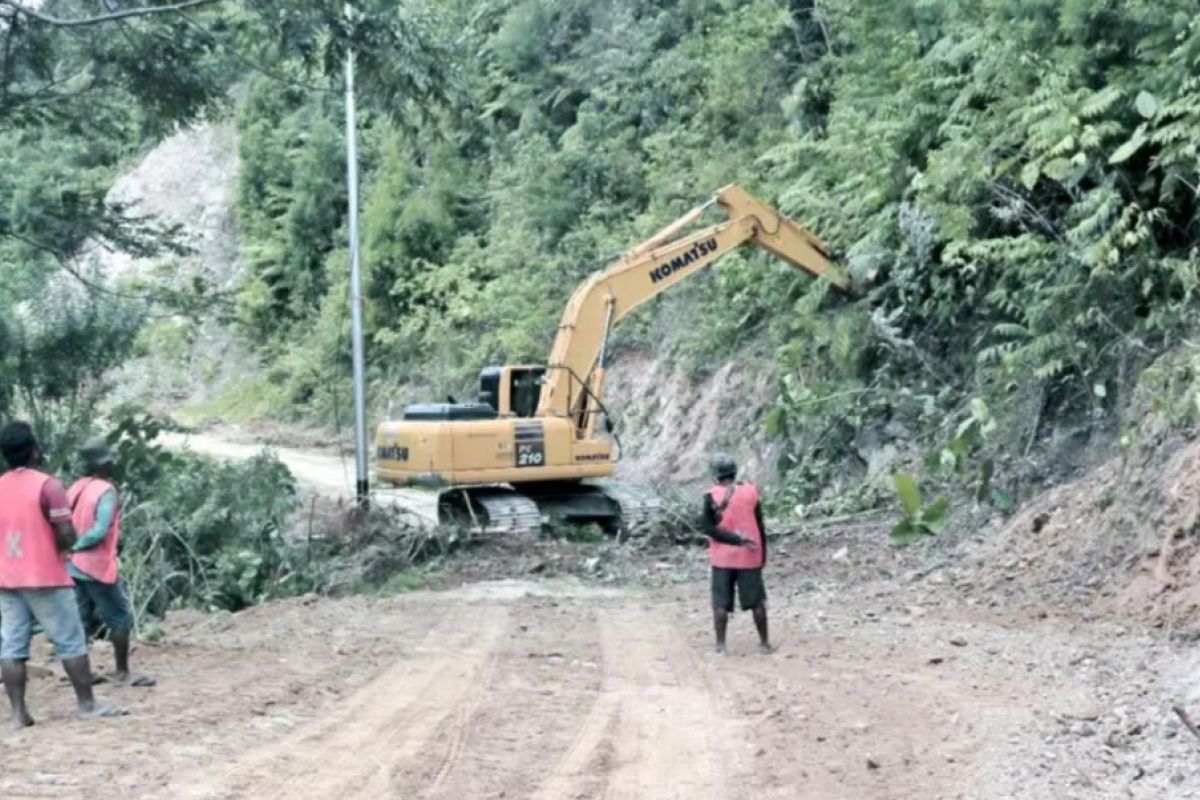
(530,446)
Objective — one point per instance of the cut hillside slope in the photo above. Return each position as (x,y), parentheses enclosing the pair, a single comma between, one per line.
(671,424)
(187,180)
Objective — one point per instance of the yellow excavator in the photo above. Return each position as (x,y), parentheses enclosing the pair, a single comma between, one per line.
(530,448)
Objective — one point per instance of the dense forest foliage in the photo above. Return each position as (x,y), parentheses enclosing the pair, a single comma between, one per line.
(85,88)
(1012,184)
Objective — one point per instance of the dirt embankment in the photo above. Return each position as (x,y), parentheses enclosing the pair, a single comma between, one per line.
(1122,541)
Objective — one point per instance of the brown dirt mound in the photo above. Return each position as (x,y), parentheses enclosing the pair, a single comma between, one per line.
(1123,539)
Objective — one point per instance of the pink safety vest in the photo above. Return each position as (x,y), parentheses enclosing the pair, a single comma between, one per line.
(738,517)
(100,562)
(29,557)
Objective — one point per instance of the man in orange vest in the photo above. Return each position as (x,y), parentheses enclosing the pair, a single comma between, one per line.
(96,515)
(737,549)
(35,536)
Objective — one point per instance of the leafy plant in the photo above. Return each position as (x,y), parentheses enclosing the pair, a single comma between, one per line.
(919,520)
(967,455)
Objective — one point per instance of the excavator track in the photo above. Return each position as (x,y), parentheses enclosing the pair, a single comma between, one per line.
(493,509)
(641,508)
(631,510)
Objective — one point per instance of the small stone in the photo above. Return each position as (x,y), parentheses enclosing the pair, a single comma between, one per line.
(958,641)
(1081,715)
(872,763)
(1083,729)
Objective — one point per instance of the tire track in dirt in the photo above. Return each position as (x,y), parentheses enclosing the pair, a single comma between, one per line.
(449,741)
(664,737)
(648,736)
(545,677)
(358,752)
(587,751)
(458,731)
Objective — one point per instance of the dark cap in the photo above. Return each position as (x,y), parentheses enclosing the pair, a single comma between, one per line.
(723,466)
(95,454)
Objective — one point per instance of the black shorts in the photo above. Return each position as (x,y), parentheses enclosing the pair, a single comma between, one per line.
(749,583)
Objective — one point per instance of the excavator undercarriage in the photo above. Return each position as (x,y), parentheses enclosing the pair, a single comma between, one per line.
(618,508)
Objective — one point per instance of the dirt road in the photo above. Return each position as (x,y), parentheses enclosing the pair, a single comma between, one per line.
(880,689)
(323,472)
(560,690)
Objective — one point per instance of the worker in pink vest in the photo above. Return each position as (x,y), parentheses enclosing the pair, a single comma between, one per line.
(35,536)
(96,515)
(737,549)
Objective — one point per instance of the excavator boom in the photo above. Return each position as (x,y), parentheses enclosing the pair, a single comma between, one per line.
(573,385)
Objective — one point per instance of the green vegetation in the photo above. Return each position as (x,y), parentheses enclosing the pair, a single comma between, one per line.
(1014,182)
(200,532)
(82,92)
(919,519)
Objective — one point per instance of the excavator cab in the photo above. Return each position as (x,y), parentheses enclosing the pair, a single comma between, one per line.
(450,443)
(511,391)
(503,392)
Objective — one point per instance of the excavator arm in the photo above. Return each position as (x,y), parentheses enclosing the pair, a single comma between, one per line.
(575,371)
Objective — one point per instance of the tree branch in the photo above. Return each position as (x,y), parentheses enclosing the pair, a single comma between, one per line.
(101,18)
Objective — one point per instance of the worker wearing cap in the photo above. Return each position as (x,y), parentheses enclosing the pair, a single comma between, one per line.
(737,549)
(35,535)
(96,513)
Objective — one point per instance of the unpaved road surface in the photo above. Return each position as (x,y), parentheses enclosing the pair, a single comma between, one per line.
(559,690)
(880,689)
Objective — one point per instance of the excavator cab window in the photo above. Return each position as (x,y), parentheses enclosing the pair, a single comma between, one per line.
(525,390)
(489,386)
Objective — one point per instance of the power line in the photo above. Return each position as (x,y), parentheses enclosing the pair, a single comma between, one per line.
(62,22)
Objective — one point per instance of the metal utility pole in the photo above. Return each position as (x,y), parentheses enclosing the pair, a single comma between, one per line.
(361,488)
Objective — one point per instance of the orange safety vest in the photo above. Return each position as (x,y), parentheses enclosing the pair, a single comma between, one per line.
(29,557)
(738,517)
(100,562)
